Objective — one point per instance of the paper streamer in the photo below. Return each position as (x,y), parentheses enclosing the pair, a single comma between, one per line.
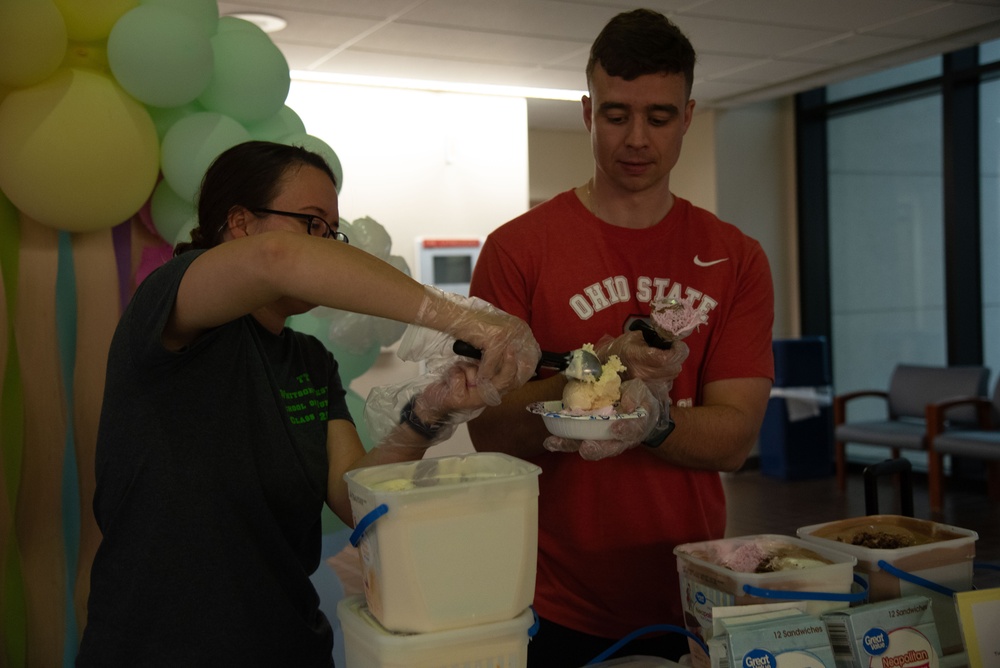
(12,624)
(65,299)
(38,511)
(97,276)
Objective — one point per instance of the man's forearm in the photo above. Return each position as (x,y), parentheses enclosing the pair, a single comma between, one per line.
(719,435)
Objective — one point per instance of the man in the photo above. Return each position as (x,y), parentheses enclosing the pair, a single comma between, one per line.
(581,268)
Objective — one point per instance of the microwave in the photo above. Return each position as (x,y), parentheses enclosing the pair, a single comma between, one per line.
(447,262)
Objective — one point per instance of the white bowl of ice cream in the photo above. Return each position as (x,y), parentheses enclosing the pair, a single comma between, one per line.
(592,427)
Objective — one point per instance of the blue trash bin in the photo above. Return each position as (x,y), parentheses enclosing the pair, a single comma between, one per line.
(796,437)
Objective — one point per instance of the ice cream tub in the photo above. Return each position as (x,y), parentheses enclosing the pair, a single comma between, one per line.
(368,644)
(903,556)
(446,542)
(764,568)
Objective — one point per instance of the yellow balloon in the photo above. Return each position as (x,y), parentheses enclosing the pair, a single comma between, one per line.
(90,20)
(32,41)
(76,152)
(91,55)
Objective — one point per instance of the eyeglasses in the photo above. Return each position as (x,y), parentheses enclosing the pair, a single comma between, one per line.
(315,225)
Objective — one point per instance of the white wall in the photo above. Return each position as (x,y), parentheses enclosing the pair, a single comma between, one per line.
(694,177)
(557,161)
(421,163)
(755,172)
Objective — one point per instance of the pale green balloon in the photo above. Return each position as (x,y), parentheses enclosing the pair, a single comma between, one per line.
(160,56)
(231,23)
(284,123)
(184,233)
(205,13)
(250,77)
(170,212)
(32,41)
(317,145)
(192,144)
(165,117)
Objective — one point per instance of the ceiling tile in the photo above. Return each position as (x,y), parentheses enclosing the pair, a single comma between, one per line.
(747,49)
(838,15)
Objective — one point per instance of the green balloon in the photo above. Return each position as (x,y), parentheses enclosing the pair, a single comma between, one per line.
(284,123)
(205,13)
(233,24)
(165,117)
(317,145)
(250,77)
(160,56)
(192,144)
(170,212)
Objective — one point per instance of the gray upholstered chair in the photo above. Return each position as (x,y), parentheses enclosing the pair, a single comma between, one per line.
(911,389)
(979,442)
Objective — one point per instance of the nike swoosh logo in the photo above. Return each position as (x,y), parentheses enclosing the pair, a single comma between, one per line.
(702,263)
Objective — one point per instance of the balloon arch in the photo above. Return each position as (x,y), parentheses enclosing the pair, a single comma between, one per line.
(110,112)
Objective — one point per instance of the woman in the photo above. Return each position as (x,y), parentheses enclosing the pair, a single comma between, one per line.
(222,432)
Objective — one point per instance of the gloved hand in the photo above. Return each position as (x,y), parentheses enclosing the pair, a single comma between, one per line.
(641,360)
(510,352)
(452,398)
(627,433)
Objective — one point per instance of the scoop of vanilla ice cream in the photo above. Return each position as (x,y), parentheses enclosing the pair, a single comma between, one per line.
(585,396)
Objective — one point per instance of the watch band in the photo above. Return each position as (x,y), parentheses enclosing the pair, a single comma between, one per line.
(657,438)
(409,417)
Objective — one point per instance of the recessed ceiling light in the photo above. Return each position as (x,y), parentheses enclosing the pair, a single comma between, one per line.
(266,22)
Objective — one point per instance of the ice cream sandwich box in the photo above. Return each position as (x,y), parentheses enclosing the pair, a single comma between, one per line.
(795,641)
(900,633)
(726,618)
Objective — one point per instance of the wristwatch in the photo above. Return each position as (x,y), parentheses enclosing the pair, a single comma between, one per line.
(409,417)
(659,435)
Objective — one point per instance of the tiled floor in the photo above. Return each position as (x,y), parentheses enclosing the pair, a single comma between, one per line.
(762,504)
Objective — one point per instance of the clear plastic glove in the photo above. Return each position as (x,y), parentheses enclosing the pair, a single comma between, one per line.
(447,399)
(628,433)
(641,360)
(510,352)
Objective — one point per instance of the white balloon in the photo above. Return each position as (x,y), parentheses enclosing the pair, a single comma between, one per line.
(372,237)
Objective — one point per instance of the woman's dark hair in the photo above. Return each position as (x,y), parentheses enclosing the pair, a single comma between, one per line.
(642,42)
(247,175)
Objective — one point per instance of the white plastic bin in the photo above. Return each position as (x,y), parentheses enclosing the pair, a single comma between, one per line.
(452,541)
(943,557)
(368,644)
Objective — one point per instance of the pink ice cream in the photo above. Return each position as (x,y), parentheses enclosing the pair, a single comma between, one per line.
(674,320)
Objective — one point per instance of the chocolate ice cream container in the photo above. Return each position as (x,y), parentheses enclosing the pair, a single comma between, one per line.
(903,556)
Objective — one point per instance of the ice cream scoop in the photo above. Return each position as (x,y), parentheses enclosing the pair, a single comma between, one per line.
(580,364)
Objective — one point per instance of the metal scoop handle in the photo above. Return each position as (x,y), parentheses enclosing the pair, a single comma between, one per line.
(557,361)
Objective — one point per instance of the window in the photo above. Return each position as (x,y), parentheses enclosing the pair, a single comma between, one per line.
(989,230)
(899,198)
(897,76)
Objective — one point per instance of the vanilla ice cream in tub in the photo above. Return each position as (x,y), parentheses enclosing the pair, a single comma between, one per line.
(446,542)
